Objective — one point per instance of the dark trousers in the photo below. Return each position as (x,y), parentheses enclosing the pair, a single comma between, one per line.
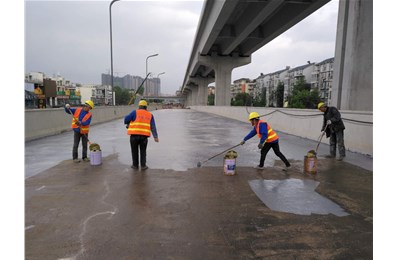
(276,148)
(337,138)
(138,144)
(76,141)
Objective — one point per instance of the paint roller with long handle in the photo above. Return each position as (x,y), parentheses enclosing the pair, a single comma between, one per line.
(321,137)
(200,163)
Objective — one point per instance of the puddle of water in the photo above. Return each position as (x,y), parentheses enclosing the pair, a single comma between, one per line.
(295,196)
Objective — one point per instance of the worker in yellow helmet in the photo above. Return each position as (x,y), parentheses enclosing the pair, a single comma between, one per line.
(333,127)
(140,124)
(80,124)
(268,138)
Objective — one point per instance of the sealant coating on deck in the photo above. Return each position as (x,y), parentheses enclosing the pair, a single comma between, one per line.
(294,196)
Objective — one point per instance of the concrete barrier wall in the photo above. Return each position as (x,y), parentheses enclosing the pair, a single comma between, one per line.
(305,123)
(45,122)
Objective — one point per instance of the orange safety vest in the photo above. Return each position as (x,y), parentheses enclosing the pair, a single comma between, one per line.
(271,135)
(83,129)
(141,125)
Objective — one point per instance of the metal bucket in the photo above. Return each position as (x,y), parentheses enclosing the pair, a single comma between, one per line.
(310,164)
(96,157)
(229,163)
(229,167)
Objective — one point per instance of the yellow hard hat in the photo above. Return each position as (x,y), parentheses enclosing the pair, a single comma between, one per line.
(253,115)
(320,105)
(90,104)
(142,103)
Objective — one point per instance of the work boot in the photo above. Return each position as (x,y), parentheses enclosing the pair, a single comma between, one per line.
(340,158)
(134,167)
(76,160)
(330,156)
(86,159)
(287,167)
(259,167)
(144,167)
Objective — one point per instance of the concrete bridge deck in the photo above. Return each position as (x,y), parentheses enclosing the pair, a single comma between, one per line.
(175,210)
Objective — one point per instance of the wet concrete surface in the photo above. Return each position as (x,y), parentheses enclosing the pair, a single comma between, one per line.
(294,196)
(175,210)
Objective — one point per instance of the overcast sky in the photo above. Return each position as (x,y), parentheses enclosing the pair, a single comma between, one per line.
(72,38)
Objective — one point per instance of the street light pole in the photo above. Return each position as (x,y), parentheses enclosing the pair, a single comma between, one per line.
(159,86)
(146,66)
(111,46)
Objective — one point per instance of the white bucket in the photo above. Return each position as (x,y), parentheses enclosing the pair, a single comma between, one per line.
(96,157)
(229,167)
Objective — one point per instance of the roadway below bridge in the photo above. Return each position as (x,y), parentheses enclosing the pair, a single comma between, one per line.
(176,210)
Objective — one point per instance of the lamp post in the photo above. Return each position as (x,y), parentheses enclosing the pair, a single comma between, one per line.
(159,86)
(111,47)
(146,67)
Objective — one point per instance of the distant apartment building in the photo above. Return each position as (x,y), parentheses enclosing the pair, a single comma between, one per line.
(99,94)
(42,91)
(49,91)
(295,74)
(317,75)
(152,86)
(260,88)
(322,77)
(272,81)
(243,85)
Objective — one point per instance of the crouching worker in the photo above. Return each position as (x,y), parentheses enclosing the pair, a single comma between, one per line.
(268,139)
(140,123)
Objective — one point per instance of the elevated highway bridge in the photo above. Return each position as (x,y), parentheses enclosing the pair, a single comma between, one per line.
(229,32)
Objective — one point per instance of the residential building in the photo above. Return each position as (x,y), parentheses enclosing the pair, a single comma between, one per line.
(152,86)
(322,77)
(271,83)
(295,74)
(243,85)
(49,91)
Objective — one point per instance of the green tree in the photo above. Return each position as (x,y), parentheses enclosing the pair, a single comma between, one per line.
(260,101)
(302,96)
(279,94)
(211,99)
(123,95)
(242,99)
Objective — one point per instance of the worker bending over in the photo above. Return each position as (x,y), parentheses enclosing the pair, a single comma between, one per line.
(268,139)
(333,127)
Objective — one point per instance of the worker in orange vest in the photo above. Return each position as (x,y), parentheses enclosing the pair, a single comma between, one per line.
(268,139)
(80,124)
(140,123)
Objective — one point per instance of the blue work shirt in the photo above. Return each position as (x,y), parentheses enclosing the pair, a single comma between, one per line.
(81,116)
(262,131)
(131,117)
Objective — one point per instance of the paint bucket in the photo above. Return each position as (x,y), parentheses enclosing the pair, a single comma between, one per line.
(310,164)
(96,157)
(229,163)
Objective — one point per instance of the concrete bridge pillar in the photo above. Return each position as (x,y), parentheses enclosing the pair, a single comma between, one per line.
(188,97)
(202,91)
(223,66)
(352,87)
(194,94)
